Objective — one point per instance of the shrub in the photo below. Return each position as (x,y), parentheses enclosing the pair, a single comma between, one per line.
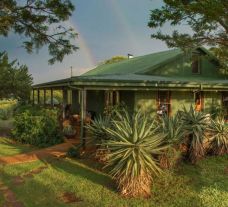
(97,129)
(171,128)
(74,152)
(133,148)
(5,114)
(41,129)
(194,125)
(7,107)
(33,109)
(219,139)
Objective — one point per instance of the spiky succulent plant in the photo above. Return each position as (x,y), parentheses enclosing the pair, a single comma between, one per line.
(134,145)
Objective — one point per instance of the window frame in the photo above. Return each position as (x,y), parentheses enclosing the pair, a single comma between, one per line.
(196,60)
(201,98)
(167,103)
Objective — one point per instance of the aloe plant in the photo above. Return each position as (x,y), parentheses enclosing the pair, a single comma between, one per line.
(194,125)
(171,127)
(133,148)
(97,129)
(219,140)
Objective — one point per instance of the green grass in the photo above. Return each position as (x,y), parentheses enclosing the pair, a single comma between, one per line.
(204,185)
(8,147)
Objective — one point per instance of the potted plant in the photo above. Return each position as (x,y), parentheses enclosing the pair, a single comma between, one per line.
(69,131)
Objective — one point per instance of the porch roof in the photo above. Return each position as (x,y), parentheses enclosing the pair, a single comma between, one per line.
(136,80)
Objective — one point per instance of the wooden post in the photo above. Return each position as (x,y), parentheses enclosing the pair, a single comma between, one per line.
(52,102)
(65,98)
(117,97)
(111,98)
(44,97)
(38,96)
(83,115)
(33,96)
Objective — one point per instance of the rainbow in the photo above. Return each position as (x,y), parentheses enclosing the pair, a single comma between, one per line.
(81,43)
(125,26)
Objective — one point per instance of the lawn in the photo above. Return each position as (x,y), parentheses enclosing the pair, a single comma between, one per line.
(204,185)
(8,147)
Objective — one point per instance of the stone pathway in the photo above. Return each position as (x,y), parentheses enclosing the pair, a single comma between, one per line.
(59,150)
(54,151)
(19,180)
(69,198)
(9,196)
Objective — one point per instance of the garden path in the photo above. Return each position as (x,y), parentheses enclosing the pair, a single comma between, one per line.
(54,151)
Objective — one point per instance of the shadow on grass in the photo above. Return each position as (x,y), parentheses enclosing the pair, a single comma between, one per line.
(39,193)
(47,189)
(75,168)
(9,147)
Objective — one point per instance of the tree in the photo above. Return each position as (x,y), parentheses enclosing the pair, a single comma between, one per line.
(114,59)
(15,81)
(39,22)
(207,19)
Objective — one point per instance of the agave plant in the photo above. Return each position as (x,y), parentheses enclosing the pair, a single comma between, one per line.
(171,127)
(134,146)
(97,129)
(194,125)
(219,140)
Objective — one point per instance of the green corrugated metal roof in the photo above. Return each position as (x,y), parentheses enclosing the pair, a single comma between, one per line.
(131,72)
(135,65)
(149,78)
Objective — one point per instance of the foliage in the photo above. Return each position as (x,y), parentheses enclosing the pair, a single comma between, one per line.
(33,109)
(41,23)
(219,142)
(207,21)
(222,54)
(15,81)
(7,106)
(115,59)
(133,145)
(217,112)
(74,152)
(5,114)
(97,129)
(194,125)
(171,127)
(39,128)
(170,158)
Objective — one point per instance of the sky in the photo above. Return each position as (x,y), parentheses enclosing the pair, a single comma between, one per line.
(105,28)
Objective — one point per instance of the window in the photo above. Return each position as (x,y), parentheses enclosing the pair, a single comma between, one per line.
(198,100)
(196,64)
(163,103)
